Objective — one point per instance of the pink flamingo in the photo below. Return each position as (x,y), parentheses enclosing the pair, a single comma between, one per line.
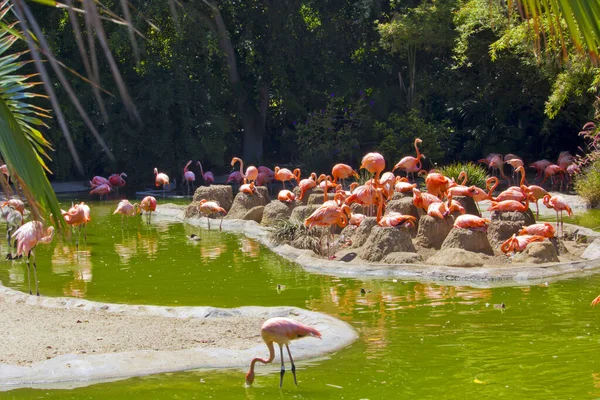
(126,208)
(284,174)
(411,164)
(98,180)
(342,171)
(558,203)
(161,179)
(268,171)
(552,170)
(374,163)
(101,190)
(27,237)
(75,217)
(117,181)
(211,207)
(148,204)
(235,177)
(540,166)
(251,172)
(88,218)
(281,331)
(208,177)
(188,176)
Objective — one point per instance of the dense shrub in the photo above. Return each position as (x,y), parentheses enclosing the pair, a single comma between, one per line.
(587,184)
(477,174)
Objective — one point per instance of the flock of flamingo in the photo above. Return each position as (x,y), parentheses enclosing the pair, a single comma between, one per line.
(437,201)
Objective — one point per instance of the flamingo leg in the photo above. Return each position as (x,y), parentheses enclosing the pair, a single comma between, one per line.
(221,224)
(29,272)
(208,220)
(122,216)
(293,366)
(35,274)
(8,232)
(537,210)
(282,366)
(557,221)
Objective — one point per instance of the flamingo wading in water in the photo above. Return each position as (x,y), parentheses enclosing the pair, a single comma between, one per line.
(148,204)
(161,179)
(27,237)
(188,176)
(281,331)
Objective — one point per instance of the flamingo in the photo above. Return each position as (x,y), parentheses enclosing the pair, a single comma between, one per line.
(403,186)
(328,214)
(75,217)
(14,219)
(546,230)
(535,193)
(392,218)
(424,200)
(342,171)
(248,188)
(189,177)
(284,174)
(125,208)
(117,181)
(27,237)
(540,166)
(88,218)
(251,172)
(210,207)
(16,204)
(374,163)
(437,183)
(552,170)
(266,170)
(281,331)
(306,184)
(235,177)
(411,164)
(148,204)
(98,180)
(101,190)
(208,177)
(519,243)
(469,221)
(510,205)
(558,203)
(161,179)
(286,196)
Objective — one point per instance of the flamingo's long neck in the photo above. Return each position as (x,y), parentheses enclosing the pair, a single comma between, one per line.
(417,149)
(201,170)
(494,186)
(185,169)
(242,168)
(522,171)
(262,360)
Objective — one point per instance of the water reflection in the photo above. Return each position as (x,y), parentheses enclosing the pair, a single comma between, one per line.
(67,260)
(137,244)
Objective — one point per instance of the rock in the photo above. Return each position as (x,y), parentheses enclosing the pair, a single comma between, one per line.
(592,251)
(537,253)
(400,257)
(468,203)
(404,206)
(383,241)
(398,195)
(307,194)
(192,210)
(525,218)
(317,198)
(453,257)
(433,231)
(467,239)
(222,194)
(363,231)
(276,211)
(300,213)
(499,231)
(255,214)
(245,202)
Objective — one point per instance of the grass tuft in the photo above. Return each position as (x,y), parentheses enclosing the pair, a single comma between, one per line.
(477,174)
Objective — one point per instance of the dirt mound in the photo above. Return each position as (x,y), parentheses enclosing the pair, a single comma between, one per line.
(525,218)
(192,210)
(404,206)
(398,195)
(222,194)
(499,231)
(453,257)
(383,241)
(469,204)
(245,202)
(537,253)
(276,211)
(466,239)
(254,214)
(433,231)
(400,257)
(363,231)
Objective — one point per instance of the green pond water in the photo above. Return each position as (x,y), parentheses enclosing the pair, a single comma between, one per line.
(417,340)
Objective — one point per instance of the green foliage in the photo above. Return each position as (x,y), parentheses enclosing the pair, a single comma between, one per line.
(587,184)
(476,174)
(399,132)
(287,231)
(331,134)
